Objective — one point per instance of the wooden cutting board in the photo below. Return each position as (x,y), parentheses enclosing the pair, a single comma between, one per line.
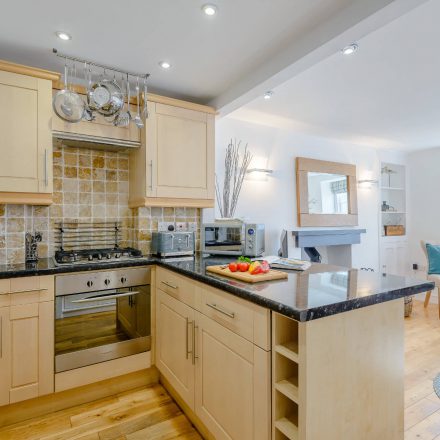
(246,276)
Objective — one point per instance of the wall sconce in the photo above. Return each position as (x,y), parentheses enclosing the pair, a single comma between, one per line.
(258,173)
(367,183)
(259,170)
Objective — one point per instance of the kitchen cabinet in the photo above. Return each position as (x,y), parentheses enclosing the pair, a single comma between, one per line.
(174,358)
(175,164)
(26,140)
(211,354)
(96,132)
(232,376)
(394,256)
(26,323)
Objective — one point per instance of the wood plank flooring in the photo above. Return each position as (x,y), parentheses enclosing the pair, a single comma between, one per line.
(422,364)
(149,413)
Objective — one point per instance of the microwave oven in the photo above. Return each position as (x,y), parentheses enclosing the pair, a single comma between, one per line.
(232,238)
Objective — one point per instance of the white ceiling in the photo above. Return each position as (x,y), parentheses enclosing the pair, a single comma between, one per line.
(387,94)
(215,59)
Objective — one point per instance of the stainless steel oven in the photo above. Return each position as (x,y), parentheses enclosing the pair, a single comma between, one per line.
(101,315)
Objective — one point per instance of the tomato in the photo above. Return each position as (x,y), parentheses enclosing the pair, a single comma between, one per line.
(243,267)
(233,267)
(265,266)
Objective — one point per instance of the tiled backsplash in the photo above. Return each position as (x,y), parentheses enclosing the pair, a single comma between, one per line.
(89,185)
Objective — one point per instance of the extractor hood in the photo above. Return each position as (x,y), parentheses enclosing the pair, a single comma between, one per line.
(94,142)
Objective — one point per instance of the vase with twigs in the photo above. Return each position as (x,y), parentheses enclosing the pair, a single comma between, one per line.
(236,165)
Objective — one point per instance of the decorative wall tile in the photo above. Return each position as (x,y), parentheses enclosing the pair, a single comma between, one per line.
(89,185)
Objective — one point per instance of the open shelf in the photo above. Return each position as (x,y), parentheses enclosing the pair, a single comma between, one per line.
(289,350)
(285,377)
(286,416)
(288,428)
(288,388)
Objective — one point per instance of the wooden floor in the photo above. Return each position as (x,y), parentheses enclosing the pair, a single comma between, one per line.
(150,414)
(422,364)
(144,414)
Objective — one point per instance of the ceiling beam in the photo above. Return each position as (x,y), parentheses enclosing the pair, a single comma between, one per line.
(348,25)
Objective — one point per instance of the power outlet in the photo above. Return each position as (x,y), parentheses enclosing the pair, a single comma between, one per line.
(180,226)
(192,226)
(165,226)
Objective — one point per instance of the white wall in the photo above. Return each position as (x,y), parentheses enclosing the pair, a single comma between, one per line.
(273,202)
(423,170)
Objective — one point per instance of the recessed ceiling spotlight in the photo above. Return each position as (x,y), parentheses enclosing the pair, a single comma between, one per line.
(351,48)
(63,35)
(209,9)
(268,95)
(165,65)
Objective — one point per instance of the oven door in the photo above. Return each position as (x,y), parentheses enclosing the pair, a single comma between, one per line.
(99,326)
(223,239)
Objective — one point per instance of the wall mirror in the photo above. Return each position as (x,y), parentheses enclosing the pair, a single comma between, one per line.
(326,193)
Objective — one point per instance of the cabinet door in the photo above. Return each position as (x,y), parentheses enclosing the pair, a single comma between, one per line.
(180,153)
(5,356)
(26,138)
(232,383)
(31,354)
(174,324)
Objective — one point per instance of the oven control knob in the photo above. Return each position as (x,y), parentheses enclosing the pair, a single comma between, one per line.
(89,283)
(107,282)
(108,256)
(99,256)
(123,280)
(90,257)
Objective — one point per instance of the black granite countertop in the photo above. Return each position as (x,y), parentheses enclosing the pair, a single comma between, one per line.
(320,291)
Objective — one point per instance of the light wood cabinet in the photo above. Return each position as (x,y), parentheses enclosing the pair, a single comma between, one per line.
(210,357)
(174,357)
(175,164)
(26,138)
(232,392)
(26,352)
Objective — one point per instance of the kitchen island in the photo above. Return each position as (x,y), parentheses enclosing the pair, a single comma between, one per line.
(318,355)
(336,350)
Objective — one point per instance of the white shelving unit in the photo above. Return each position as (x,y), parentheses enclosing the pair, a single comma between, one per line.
(393,249)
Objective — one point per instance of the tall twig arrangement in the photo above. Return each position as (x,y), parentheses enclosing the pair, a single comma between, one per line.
(235,170)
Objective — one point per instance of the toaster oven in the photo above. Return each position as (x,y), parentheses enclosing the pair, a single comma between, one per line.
(232,238)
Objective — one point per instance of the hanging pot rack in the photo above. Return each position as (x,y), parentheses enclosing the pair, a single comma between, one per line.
(102,66)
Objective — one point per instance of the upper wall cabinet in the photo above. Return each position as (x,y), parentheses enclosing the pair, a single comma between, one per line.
(175,164)
(26,138)
(96,132)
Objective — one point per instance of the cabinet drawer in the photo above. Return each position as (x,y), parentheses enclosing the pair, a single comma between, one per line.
(228,311)
(177,286)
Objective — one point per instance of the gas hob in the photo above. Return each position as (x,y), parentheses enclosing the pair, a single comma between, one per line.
(90,256)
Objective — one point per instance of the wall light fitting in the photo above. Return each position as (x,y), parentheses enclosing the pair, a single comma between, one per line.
(367,183)
(259,170)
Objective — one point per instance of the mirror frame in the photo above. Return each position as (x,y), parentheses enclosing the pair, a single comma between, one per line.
(305,165)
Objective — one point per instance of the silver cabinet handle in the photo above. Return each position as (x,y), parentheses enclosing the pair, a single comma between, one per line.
(46,174)
(194,356)
(151,173)
(188,351)
(28,290)
(169,285)
(103,297)
(225,312)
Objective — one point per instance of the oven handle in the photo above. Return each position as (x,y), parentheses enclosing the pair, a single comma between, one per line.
(103,297)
